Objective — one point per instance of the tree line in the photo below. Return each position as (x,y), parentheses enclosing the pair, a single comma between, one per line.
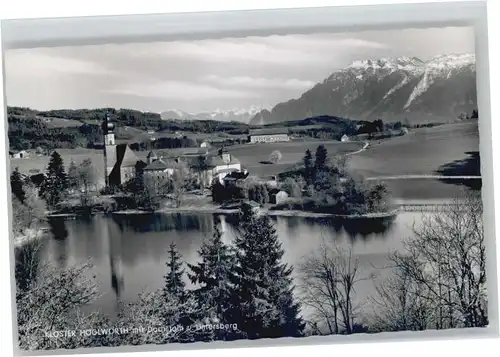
(27,129)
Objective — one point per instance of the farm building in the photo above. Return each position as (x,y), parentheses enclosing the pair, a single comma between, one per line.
(221,164)
(19,154)
(205,144)
(157,167)
(277,196)
(235,178)
(270,135)
(344,138)
(270,181)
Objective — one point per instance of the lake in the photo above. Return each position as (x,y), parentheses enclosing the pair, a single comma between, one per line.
(129,252)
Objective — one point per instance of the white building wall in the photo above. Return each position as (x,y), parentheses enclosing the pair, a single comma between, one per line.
(269,138)
(217,169)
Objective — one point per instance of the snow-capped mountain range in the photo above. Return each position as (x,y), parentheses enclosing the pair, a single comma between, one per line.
(389,88)
(239,115)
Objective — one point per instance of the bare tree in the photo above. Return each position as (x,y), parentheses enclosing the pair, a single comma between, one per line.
(399,305)
(444,264)
(151,189)
(292,187)
(52,303)
(201,166)
(27,216)
(275,157)
(83,178)
(178,186)
(341,163)
(328,279)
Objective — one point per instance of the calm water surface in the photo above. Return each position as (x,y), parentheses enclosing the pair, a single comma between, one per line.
(129,252)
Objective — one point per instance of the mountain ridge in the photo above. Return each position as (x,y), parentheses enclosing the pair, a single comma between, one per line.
(392,88)
(239,115)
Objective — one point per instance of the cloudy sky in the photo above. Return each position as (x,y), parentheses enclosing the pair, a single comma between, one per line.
(206,75)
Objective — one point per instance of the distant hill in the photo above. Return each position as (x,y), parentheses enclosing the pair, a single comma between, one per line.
(438,90)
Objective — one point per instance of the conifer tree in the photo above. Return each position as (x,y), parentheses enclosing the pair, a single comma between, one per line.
(56,181)
(174,285)
(17,186)
(263,294)
(308,167)
(320,159)
(215,276)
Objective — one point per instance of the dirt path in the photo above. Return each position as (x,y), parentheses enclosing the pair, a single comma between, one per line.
(360,150)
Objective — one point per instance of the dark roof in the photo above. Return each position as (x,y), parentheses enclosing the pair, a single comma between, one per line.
(228,170)
(274,191)
(268,131)
(216,160)
(125,157)
(238,175)
(194,151)
(151,154)
(157,165)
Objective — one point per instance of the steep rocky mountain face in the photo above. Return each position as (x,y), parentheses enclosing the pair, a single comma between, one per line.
(390,89)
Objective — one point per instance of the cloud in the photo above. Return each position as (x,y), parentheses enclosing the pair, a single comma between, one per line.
(260,83)
(179,90)
(39,64)
(204,74)
(283,51)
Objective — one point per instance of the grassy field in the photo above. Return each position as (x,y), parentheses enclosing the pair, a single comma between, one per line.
(77,155)
(423,189)
(251,156)
(450,150)
(422,152)
(62,123)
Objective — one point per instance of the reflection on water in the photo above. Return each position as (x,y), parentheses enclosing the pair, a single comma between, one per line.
(129,252)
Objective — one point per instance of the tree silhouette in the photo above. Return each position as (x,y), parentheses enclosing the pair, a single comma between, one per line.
(215,276)
(263,294)
(321,158)
(16,185)
(56,183)
(174,285)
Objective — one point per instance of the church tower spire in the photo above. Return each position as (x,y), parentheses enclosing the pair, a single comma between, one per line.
(108,129)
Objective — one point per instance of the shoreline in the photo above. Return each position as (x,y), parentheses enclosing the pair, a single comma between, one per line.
(267,212)
(399,205)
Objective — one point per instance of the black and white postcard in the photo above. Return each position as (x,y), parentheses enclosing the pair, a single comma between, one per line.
(243,188)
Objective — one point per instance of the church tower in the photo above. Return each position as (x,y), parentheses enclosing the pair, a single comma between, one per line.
(108,128)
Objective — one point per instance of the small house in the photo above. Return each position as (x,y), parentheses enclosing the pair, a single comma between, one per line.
(19,154)
(271,182)
(277,197)
(205,144)
(252,206)
(344,138)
